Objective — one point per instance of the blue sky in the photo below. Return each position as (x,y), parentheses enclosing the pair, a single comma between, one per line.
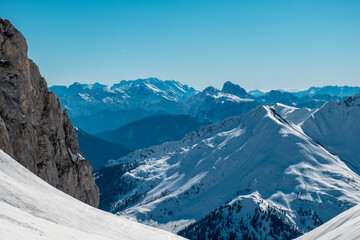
(265,44)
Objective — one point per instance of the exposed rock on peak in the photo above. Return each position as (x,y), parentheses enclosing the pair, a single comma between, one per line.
(33,128)
(353,101)
(210,90)
(234,89)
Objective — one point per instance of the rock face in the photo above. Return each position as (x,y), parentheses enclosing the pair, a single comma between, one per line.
(33,128)
(234,89)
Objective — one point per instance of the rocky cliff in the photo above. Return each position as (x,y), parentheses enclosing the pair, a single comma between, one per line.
(33,128)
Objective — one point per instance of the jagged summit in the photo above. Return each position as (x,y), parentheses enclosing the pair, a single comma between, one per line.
(211,89)
(33,128)
(234,89)
(151,95)
(156,85)
(353,101)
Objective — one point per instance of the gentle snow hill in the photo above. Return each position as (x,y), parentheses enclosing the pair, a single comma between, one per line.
(32,209)
(345,226)
(180,183)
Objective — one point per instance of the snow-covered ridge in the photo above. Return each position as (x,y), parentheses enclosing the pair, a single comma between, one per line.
(336,126)
(267,221)
(293,114)
(179,183)
(32,209)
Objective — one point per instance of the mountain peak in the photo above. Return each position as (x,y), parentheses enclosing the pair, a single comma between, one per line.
(353,101)
(234,89)
(13,46)
(34,130)
(211,89)
(98,85)
(258,151)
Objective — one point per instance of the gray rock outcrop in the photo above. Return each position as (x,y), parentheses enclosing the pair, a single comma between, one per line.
(33,128)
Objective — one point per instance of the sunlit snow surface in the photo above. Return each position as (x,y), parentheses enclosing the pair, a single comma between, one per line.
(181,182)
(32,209)
(345,226)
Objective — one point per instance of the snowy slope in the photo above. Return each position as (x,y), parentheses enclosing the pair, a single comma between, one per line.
(345,226)
(231,221)
(32,209)
(293,114)
(180,183)
(336,126)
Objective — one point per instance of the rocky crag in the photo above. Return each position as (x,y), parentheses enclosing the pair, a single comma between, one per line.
(33,128)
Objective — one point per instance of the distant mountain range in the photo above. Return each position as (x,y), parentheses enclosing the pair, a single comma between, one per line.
(151,94)
(270,173)
(333,91)
(97,108)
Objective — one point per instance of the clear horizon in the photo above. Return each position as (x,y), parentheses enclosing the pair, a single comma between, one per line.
(256,44)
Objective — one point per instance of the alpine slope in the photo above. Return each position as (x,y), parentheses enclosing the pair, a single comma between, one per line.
(258,175)
(32,209)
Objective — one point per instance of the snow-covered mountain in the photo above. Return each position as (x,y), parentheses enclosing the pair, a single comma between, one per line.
(151,94)
(32,209)
(97,108)
(258,169)
(339,91)
(333,91)
(345,226)
(213,105)
(336,126)
(256,93)
(169,89)
(293,114)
